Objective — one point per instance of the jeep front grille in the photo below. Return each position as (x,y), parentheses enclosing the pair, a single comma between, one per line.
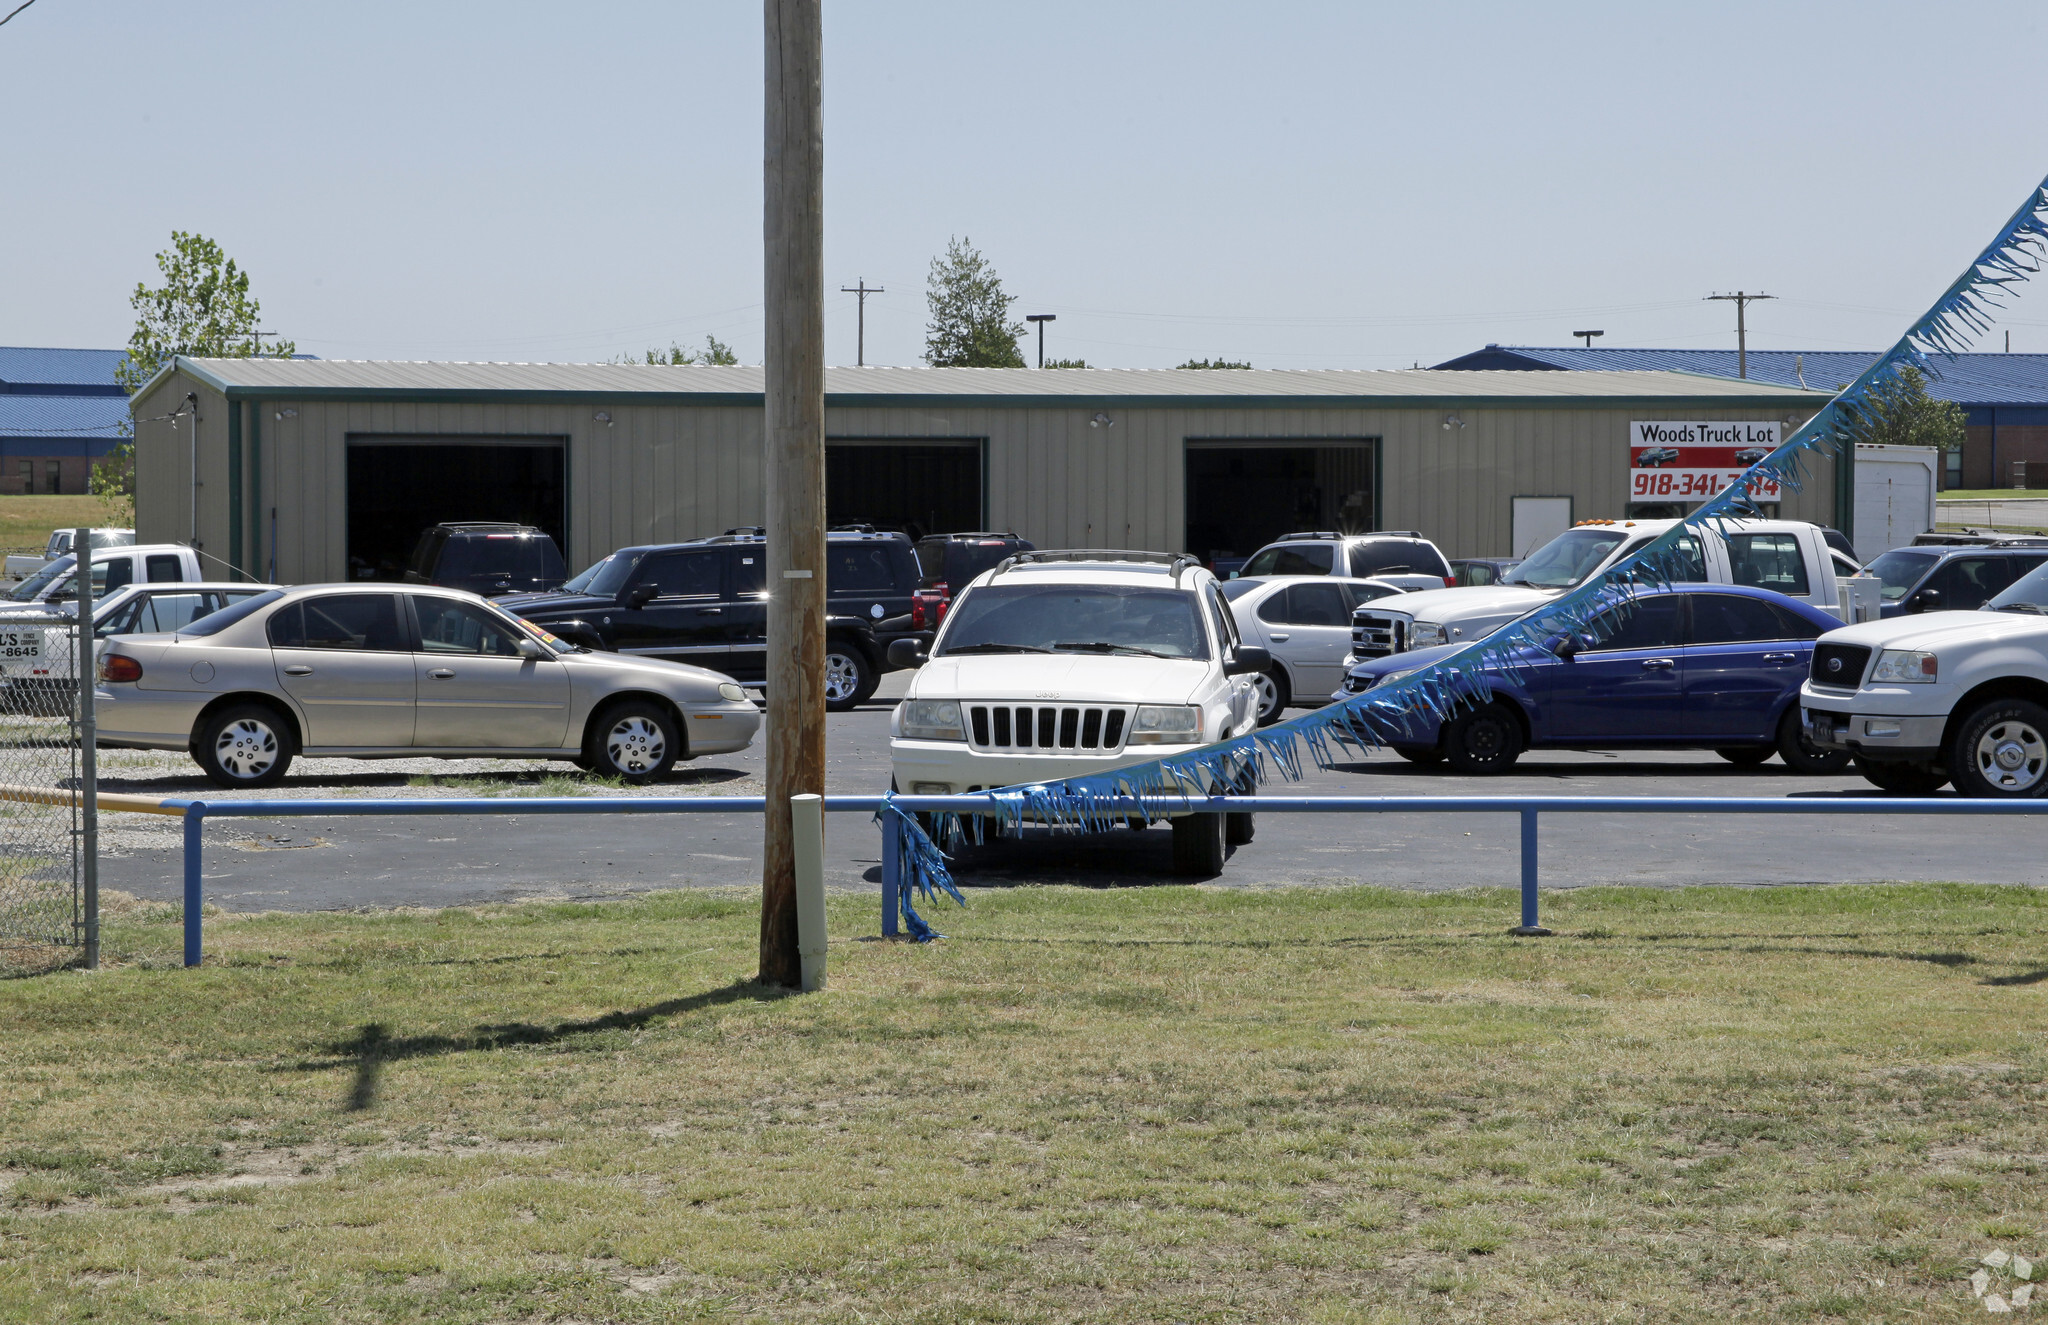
(1374,636)
(1045,728)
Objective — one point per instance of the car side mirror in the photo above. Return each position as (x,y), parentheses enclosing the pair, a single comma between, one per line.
(906,653)
(1927,600)
(1564,646)
(1249,658)
(530,650)
(639,595)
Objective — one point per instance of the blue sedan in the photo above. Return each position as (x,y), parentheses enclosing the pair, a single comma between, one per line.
(1694,666)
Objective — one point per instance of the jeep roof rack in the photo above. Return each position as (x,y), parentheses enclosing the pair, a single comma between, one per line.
(472,525)
(1175,562)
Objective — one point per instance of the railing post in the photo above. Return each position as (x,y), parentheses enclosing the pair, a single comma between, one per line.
(807,848)
(892,869)
(195,821)
(1531,923)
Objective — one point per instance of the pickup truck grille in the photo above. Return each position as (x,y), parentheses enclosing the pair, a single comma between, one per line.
(1044,728)
(1839,665)
(1374,636)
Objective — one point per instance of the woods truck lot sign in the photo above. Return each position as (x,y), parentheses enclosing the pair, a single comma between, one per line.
(1694,461)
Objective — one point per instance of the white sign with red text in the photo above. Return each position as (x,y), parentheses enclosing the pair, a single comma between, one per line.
(1673,461)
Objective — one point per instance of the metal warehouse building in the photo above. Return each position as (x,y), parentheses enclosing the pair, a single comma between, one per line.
(307,470)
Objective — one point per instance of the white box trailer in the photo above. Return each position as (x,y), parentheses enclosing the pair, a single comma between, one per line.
(1894,496)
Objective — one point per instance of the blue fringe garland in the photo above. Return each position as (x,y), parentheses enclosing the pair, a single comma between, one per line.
(1414,703)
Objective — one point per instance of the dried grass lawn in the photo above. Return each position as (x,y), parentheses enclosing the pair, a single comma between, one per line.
(1159,1104)
(26,521)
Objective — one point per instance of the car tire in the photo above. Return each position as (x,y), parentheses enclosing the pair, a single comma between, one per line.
(637,742)
(1803,756)
(1198,845)
(1274,692)
(244,745)
(2000,750)
(1419,754)
(849,677)
(1902,779)
(1487,740)
(1746,756)
(1239,826)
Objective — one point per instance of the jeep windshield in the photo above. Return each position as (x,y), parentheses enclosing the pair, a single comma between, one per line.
(2029,593)
(1075,618)
(603,579)
(1565,560)
(1900,571)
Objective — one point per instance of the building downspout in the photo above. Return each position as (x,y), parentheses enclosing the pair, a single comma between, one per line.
(234,491)
(191,408)
(256,496)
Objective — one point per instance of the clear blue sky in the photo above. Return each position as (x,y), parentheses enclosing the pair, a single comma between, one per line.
(1299,184)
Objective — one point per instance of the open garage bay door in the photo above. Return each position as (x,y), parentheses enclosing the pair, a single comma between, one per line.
(1242,494)
(399,486)
(929,486)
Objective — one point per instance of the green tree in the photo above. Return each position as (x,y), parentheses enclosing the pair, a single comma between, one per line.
(202,309)
(970,326)
(716,353)
(1212,363)
(1066,363)
(1901,413)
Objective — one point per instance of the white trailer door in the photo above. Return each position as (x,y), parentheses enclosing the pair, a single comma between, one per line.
(1537,520)
(1894,497)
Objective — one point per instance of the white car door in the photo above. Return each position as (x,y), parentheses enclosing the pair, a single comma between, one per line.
(1308,629)
(475,689)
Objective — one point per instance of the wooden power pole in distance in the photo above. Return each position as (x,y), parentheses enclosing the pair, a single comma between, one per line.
(793,232)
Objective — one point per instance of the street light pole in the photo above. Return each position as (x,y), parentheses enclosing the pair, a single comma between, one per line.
(793,400)
(1041,319)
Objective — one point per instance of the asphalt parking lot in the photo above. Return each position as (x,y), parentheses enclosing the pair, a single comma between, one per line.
(325,864)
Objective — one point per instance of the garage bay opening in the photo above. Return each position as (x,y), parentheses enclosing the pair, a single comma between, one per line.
(932,486)
(401,486)
(1243,494)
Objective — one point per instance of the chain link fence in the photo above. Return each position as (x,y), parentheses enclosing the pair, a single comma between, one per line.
(42,876)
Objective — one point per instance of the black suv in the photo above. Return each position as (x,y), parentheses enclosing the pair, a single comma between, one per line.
(1951,578)
(486,557)
(704,602)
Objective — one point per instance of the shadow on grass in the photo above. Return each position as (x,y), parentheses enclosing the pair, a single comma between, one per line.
(373,1046)
(2032,977)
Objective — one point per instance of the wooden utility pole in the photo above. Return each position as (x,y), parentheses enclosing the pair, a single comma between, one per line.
(794,233)
(1742,299)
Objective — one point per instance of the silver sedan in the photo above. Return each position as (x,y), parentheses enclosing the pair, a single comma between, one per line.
(397,671)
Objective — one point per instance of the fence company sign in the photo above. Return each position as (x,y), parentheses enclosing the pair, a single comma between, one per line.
(1694,461)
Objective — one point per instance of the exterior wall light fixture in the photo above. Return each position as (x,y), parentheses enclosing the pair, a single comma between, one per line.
(1102,421)
(603,417)
(286,414)
(1452,421)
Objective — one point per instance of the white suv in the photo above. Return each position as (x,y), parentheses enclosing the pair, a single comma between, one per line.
(1059,665)
(1940,697)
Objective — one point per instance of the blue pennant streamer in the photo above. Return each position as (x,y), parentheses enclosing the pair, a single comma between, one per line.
(1417,702)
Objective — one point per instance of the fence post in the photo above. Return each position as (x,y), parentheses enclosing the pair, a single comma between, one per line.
(892,870)
(807,843)
(1531,925)
(88,755)
(195,820)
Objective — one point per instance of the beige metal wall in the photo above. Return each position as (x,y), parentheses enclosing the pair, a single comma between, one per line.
(674,471)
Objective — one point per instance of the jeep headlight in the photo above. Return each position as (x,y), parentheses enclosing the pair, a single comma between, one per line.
(728,691)
(1425,635)
(1908,665)
(1166,724)
(932,720)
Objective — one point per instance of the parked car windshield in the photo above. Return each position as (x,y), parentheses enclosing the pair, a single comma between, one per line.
(229,615)
(1397,556)
(603,578)
(1900,571)
(26,591)
(1075,618)
(1565,560)
(1238,588)
(2029,593)
(1290,559)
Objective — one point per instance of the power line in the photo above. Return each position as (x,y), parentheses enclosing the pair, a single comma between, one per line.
(1742,299)
(16,10)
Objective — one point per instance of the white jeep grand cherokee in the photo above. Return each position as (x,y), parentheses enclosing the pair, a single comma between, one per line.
(1956,697)
(1058,665)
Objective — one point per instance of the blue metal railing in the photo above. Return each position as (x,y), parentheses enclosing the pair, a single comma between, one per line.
(1528,808)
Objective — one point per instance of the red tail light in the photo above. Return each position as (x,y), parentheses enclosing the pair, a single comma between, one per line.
(1450,581)
(120,667)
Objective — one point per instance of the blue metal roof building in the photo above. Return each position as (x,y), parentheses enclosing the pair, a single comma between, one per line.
(2004,397)
(59,411)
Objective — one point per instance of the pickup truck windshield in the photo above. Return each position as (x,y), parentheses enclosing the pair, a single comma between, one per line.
(1565,560)
(1076,618)
(2029,593)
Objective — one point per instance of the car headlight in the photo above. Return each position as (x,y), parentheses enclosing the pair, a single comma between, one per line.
(932,720)
(1425,635)
(1909,665)
(1166,724)
(1392,677)
(727,690)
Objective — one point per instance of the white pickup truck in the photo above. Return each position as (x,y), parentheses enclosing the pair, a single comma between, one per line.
(21,565)
(1957,697)
(56,585)
(1789,556)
